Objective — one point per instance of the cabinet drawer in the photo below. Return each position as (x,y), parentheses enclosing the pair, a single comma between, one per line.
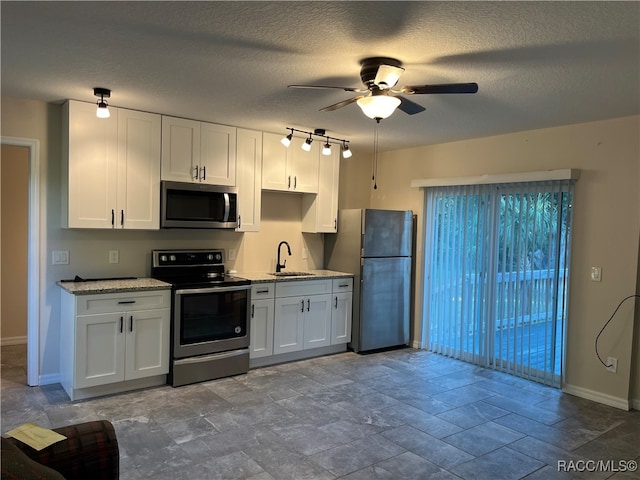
(262,290)
(118,302)
(342,285)
(302,287)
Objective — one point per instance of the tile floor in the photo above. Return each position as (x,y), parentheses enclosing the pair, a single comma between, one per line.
(403,414)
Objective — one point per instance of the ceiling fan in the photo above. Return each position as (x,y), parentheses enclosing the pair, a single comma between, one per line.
(379,76)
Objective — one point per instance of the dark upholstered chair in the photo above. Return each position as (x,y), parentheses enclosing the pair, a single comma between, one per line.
(90,452)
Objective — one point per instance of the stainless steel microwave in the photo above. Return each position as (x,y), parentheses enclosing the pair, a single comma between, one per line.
(197,205)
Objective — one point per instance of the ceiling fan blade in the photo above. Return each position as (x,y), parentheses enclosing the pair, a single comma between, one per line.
(346,89)
(409,107)
(443,88)
(341,104)
(387,76)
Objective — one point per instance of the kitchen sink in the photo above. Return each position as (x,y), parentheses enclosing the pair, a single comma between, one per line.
(291,274)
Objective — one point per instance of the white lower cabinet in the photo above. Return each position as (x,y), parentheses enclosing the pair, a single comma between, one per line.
(261,327)
(114,342)
(341,311)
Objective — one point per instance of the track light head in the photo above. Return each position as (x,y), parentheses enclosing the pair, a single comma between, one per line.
(306,146)
(346,152)
(326,148)
(286,141)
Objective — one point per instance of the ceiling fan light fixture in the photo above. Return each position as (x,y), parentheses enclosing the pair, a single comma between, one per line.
(103,109)
(286,141)
(306,146)
(326,148)
(346,152)
(378,106)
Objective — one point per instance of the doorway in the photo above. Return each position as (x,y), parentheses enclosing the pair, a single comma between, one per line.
(33,255)
(497,275)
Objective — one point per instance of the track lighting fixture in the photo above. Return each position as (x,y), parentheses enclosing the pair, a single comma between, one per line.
(346,153)
(103,109)
(306,146)
(318,132)
(326,148)
(286,141)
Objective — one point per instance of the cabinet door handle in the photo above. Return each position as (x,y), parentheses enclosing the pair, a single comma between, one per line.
(253,310)
(122,218)
(343,285)
(121,323)
(295,182)
(308,304)
(204,173)
(302,309)
(239,221)
(131,323)
(262,291)
(335,224)
(289,181)
(125,302)
(336,301)
(113,217)
(196,170)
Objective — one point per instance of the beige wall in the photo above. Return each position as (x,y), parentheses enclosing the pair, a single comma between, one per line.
(15,216)
(606,226)
(89,248)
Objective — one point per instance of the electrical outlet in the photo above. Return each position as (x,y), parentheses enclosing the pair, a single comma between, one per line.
(60,257)
(305,254)
(613,364)
(596,274)
(232,254)
(114,256)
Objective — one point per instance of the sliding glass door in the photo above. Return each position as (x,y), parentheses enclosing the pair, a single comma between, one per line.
(497,275)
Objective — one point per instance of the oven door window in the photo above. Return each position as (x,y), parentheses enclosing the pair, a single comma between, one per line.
(207,317)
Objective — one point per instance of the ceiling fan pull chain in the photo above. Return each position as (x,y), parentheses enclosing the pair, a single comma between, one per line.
(375,155)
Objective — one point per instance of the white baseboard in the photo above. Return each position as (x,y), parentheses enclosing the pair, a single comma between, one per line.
(621,403)
(13,341)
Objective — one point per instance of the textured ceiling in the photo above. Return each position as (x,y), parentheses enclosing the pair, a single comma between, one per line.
(537,64)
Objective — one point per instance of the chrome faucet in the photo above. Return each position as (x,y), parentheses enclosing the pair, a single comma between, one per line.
(278,265)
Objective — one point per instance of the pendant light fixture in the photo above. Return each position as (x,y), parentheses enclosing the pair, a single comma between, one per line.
(103,109)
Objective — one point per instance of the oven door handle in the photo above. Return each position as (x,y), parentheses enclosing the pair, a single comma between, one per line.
(184,291)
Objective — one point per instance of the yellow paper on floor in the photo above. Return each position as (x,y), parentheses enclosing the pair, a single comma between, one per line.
(35,436)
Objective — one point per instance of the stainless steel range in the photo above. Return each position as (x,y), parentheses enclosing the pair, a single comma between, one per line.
(210,315)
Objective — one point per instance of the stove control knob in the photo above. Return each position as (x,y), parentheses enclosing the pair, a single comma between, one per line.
(218,257)
(163,258)
(172,258)
(210,257)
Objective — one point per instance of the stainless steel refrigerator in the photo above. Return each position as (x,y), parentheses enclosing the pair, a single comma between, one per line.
(376,247)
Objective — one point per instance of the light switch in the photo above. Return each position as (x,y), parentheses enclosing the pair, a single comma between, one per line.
(596,274)
(114,256)
(60,257)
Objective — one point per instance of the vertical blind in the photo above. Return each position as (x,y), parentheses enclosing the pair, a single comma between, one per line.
(497,271)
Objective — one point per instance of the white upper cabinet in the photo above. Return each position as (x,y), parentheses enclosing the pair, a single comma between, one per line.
(320,212)
(195,151)
(289,169)
(111,168)
(249,179)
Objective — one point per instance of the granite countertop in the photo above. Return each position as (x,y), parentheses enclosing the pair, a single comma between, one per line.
(113,286)
(261,277)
